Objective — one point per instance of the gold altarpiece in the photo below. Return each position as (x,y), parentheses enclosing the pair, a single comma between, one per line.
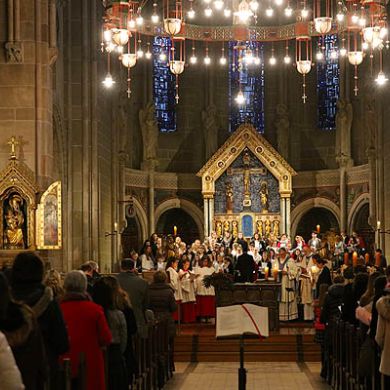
(247,186)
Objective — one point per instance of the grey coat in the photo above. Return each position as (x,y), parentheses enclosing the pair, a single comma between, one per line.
(137,289)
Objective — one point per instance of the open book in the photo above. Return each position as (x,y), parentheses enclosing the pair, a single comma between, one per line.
(243,319)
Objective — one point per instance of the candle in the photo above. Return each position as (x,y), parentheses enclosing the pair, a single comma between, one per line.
(175,230)
(346,258)
(354,258)
(378,259)
(378,225)
(266,272)
(116,226)
(275,273)
(318,227)
(314,269)
(367,258)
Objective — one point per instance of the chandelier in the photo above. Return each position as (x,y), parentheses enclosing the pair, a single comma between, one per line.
(361,27)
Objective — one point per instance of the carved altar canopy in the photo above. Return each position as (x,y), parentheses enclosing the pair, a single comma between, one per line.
(247,185)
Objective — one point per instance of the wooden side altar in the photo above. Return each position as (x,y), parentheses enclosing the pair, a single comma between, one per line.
(262,293)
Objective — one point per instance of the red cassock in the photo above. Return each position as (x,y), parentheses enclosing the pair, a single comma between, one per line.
(205,305)
(88,332)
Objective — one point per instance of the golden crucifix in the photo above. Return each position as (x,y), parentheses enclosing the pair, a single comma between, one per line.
(13,142)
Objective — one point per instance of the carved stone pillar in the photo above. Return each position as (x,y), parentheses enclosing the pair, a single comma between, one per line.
(371,155)
(151,201)
(206,216)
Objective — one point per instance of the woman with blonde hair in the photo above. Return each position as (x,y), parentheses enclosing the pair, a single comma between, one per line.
(54,280)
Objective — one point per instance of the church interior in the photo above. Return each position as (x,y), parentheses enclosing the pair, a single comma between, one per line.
(170,160)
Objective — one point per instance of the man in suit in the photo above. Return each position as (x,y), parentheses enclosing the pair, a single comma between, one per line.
(245,266)
(137,289)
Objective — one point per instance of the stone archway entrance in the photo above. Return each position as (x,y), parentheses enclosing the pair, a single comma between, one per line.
(187,228)
(361,226)
(317,216)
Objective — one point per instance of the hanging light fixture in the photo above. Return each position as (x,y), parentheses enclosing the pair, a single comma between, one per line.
(176,65)
(173,18)
(322,22)
(287,58)
(303,60)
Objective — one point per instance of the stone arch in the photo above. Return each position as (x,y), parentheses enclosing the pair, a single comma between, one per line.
(302,208)
(141,216)
(361,200)
(193,210)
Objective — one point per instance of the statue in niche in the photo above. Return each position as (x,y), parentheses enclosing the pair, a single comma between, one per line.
(267,227)
(149,128)
(210,130)
(371,120)
(218,228)
(235,228)
(259,227)
(229,198)
(14,222)
(282,125)
(226,226)
(264,197)
(276,230)
(344,118)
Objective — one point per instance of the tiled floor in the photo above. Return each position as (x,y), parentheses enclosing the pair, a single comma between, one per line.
(264,376)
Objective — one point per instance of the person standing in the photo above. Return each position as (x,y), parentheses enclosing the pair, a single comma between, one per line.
(314,242)
(205,296)
(88,331)
(174,282)
(27,287)
(306,288)
(288,308)
(187,279)
(246,267)
(147,259)
(137,290)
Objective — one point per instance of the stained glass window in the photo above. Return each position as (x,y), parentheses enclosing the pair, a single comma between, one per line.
(163,86)
(328,83)
(251,78)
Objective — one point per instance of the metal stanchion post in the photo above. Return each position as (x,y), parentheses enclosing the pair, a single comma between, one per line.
(241,370)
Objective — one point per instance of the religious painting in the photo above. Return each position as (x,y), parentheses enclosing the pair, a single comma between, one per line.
(50,218)
(247,225)
(247,186)
(14,221)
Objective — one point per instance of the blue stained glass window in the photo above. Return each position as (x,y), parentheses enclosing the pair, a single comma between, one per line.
(328,83)
(251,79)
(163,86)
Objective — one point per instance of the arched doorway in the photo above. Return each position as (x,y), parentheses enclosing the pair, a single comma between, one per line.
(131,237)
(361,226)
(317,216)
(187,229)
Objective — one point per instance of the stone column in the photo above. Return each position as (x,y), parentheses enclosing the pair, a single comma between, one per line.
(371,155)
(282,214)
(211,214)
(287,216)
(344,162)
(206,216)
(151,201)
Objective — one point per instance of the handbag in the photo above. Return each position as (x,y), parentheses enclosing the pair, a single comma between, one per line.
(367,357)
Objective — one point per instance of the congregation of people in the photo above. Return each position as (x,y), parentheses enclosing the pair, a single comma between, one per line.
(93,319)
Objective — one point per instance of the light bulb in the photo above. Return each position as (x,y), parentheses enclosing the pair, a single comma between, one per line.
(383,32)
(365,46)
(278,2)
(362,22)
(193,59)
(287,59)
(207,60)
(319,55)
(218,4)
(207,1)
(343,52)
(108,82)
(131,23)
(254,5)
(162,57)
(227,12)
(148,55)
(110,47)
(140,53)
(354,18)
(334,55)
(107,35)
(304,13)
(222,61)
(269,12)
(340,16)
(381,79)
(257,61)
(191,13)
(119,49)
(240,98)
(140,20)
(272,60)
(288,11)
(155,18)
(208,12)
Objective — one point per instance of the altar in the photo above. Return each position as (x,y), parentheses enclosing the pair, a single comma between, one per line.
(246,187)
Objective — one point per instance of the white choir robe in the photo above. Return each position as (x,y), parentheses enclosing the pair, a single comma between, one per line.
(174,282)
(307,289)
(187,287)
(200,288)
(288,308)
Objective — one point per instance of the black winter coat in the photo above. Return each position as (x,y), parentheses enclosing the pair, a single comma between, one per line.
(332,303)
(162,302)
(246,266)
